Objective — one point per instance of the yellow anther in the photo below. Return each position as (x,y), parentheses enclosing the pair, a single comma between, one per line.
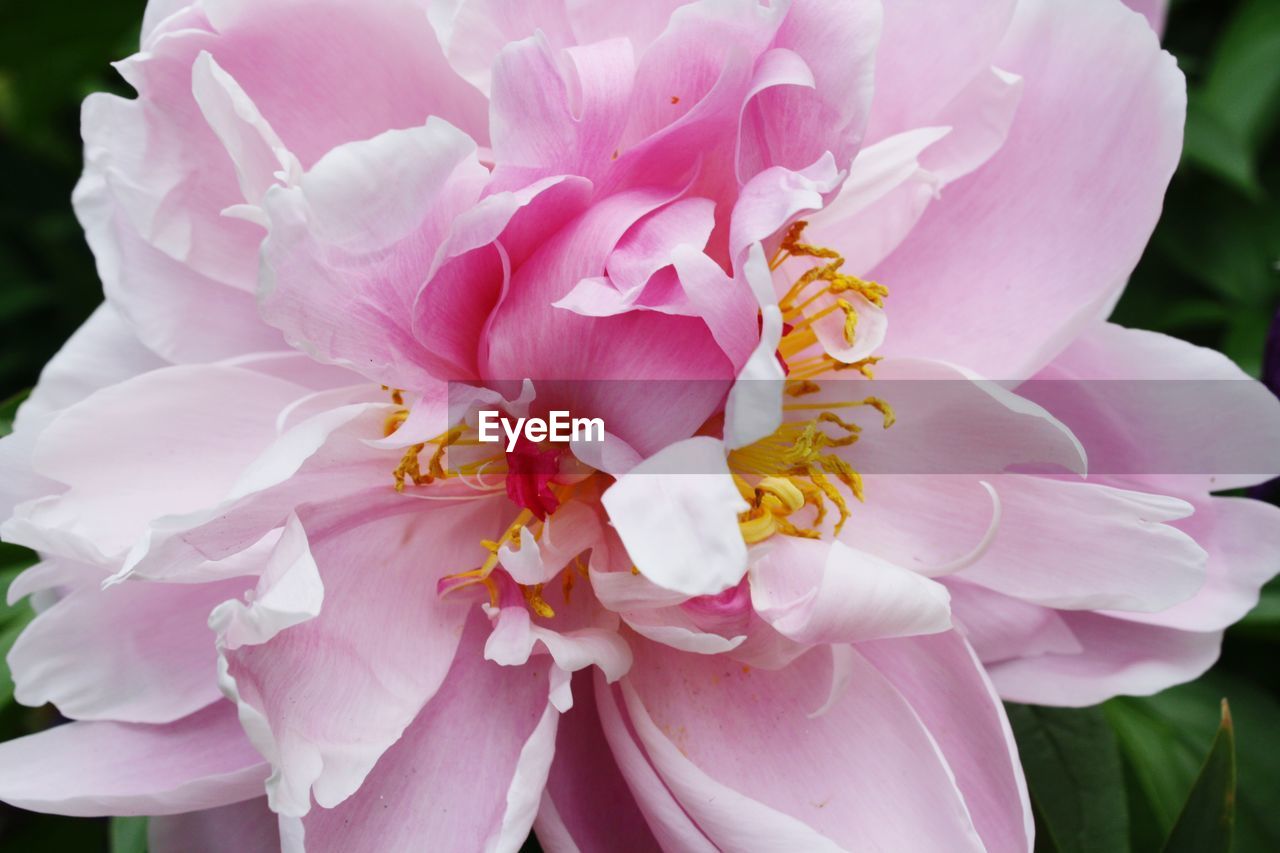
(394,420)
(789,497)
(757,526)
(408,468)
(883,408)
(850,320)
(801,388)
(533,595)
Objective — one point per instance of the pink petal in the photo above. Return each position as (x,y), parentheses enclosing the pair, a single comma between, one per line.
(135,652)
(334,275)
(101,768)
(1166,432)
(927,55)
(792,125)
(1119,658)
(535,126)
(371,689)
(640,345)
(944,682)
(677,518)
(585,784)
(866,774)
(211,419)
(1000,628)
(345,73)
(1242,537)
(473,32)
(815,592)
(1086,546)
(1102,66)
(468,769)
(102,352)
(1154,10)
(324,458)
(951,422)
(246,827)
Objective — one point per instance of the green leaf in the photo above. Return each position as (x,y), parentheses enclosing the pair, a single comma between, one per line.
(9,631)
(9,409)
(1209,814)
(128,835)
(1243,81)
(13,618)
(1162,741)
(1073,771)
(1215,145)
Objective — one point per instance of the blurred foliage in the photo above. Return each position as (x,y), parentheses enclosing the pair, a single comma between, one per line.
(1139,774)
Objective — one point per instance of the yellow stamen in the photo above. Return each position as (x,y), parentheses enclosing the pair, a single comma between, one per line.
(533,595)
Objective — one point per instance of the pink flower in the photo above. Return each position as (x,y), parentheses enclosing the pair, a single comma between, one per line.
(736,623)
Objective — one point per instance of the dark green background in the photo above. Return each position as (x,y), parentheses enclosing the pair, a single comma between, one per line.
(1110,778)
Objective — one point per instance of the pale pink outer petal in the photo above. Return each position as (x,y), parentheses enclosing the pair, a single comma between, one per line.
(945,683)
(949,421)
(999,628)
(587,805)
(135,652)
(208,419)
(260,158)
(883,197)
(470,768)
(244,827)
(374,675)
(866,774)
(325,457)
(1087,546)
(158,11)
(1167,440)
(1119,658)
(102,352)
(102,768)
(1021,272)
(893,181)
(178,278)
(344,74)
(1242,537)
(1154,10)
(928,54)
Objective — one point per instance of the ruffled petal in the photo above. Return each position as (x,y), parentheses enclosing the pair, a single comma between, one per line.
(101,768)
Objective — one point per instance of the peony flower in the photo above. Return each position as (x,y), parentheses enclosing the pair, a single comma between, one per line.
(296,602)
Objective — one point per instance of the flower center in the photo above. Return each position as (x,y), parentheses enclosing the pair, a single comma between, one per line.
(798,466)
